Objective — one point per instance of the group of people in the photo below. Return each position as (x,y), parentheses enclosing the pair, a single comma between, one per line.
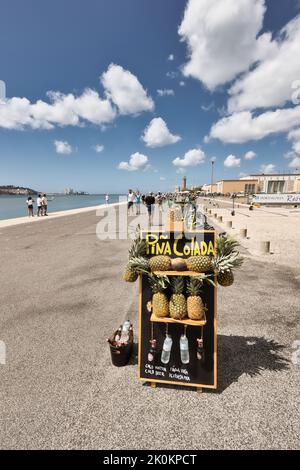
(41,203)
(135,199)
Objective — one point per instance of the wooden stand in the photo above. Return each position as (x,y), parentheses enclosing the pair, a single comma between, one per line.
(200,372)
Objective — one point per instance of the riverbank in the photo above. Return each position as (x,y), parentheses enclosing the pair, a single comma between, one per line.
(12,207)
(55,215)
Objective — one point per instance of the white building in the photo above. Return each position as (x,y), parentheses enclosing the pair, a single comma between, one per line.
(278,183)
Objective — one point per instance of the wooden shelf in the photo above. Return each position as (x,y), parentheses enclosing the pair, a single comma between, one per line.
(185,321)
(179,273)
(176,226)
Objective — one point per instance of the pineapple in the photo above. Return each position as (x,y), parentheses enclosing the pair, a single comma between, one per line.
(160,303)
(178,306)
(160,263)
(225,278)
(137,250)
(171,215)
(175,214)
(226,260)
(195,307)
(200,264)
(129,274)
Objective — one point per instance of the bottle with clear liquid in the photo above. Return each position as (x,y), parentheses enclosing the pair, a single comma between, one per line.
(125,332)
(166,352)
(184,349)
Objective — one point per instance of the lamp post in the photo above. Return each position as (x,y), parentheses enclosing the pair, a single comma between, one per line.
(212,174)
(233,198)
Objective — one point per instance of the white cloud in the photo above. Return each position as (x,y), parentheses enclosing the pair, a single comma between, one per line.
(267,168)
(2,90)
(99,148)
(242,127)
(165,92)
(222,38)
(121,87)
(137,161)
(181,83)
(171,57)
(62,147)
(180,171)
(125,91)
(250,155)
(232,162)
(62,110)
(193,157)
(157,134)
(172,74)
(294,135)
(162,178)
(270,83)
(208,107)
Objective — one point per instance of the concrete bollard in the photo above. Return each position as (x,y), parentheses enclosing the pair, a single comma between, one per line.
(220,218)
(215,216)
(264,247)
(243,233)
(229,224)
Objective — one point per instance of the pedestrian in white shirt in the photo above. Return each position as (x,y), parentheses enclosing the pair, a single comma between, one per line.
(29,203)
(107,199)
(44,204)
(130,201)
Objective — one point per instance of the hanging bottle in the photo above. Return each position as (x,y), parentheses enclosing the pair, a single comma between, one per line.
(184,349)
(166,352)
(200,350)
(152,350)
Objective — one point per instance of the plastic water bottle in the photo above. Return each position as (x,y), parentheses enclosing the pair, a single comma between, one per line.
(166,352)
(184,349)
(125,332)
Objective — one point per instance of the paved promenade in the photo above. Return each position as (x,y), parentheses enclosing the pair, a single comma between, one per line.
(62,295)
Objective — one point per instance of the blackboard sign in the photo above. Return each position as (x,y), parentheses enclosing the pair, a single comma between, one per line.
(200,370)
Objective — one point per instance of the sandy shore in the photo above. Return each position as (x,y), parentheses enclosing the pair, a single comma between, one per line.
(279,226)
(54,215)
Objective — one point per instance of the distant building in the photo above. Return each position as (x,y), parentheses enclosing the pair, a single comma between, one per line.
(246,186)
(278,183)
(209,188)
(69,191)
(260,183)
(184,183)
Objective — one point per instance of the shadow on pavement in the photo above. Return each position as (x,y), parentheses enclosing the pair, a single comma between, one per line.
(238,355)
(251,355)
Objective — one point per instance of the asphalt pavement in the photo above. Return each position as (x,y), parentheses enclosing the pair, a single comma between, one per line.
(62,296)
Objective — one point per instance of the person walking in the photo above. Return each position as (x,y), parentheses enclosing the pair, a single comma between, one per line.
(137,201)
(39,206)
(130,200)
(107,199)
(29,203)
(150,201)
(44,204)
(159,201)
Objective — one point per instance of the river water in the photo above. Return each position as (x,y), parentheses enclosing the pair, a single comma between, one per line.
(15,206)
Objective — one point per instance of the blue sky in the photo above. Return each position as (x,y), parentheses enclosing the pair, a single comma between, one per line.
(229,78)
